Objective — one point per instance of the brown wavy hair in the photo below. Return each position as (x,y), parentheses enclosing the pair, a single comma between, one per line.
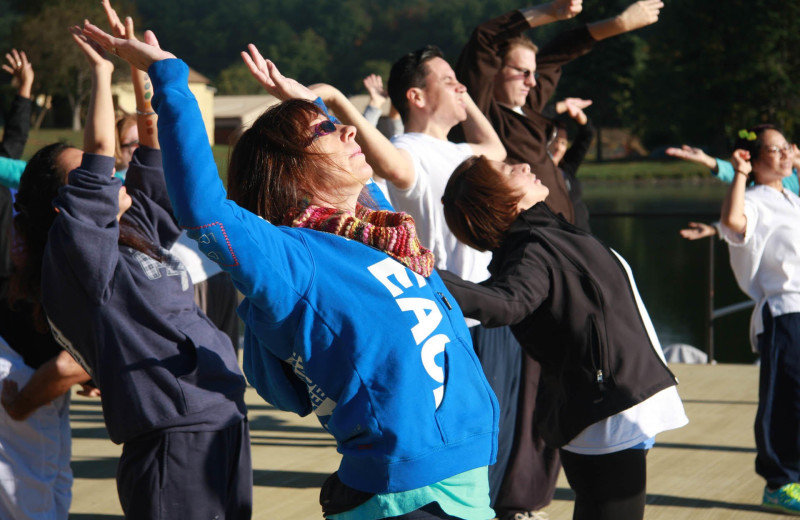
(275,169)
(479,206)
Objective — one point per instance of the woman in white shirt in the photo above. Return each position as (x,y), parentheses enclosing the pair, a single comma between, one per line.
(761,224)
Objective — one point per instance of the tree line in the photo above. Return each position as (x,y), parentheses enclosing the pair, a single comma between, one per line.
(703,71)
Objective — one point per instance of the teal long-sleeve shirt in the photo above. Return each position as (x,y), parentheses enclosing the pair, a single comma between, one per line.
(11,171)
(725,173)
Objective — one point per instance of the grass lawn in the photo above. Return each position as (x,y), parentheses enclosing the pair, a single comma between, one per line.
(589,171)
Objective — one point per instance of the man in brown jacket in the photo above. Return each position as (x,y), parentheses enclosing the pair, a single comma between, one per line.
(511,80)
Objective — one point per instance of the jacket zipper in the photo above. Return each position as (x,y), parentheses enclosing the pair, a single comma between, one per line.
(627,278)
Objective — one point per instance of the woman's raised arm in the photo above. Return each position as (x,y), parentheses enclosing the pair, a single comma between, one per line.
(733,216)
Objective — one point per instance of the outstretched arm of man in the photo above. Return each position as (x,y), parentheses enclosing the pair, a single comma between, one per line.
(550,12)
(636,16)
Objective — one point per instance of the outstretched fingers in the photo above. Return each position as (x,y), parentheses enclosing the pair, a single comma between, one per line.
(139,54)
(94,52)
(117,28)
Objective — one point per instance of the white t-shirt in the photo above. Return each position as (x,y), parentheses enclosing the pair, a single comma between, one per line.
(434,161)
(660,412)
(765,260)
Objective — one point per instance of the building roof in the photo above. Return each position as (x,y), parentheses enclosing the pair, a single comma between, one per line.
(241,110)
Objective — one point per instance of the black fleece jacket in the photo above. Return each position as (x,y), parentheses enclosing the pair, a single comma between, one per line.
(570,305)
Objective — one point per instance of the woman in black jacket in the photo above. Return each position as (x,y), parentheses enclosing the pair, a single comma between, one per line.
(572,304)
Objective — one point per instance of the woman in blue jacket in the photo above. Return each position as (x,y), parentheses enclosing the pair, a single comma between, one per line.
(344,315)
(95,254)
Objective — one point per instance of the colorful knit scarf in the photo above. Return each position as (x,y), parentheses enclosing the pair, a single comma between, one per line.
(392,233)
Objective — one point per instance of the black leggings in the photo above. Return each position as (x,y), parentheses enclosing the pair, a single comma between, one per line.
(609,486)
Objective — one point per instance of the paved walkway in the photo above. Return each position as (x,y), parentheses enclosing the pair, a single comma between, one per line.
(702,471)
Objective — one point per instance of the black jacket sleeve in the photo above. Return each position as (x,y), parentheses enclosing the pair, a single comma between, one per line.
(18,124)
(577,152)
(504,300)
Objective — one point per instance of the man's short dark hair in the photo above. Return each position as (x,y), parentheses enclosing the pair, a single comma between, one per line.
(410,72)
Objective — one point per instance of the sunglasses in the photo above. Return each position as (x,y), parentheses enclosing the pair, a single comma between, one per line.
(525,73)
(323,128)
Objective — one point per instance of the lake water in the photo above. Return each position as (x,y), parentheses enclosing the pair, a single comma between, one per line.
(671,272)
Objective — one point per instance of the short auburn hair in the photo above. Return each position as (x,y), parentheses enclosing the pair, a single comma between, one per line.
(479,205)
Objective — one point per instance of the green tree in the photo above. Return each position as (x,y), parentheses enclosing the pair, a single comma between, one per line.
(61,67)
(713,71)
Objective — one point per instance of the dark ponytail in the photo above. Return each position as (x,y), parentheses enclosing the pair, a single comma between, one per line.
(41,179)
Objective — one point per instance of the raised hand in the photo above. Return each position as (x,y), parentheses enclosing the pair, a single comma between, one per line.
(690,153)
(267,73)
(138,54)
(698,230)
(640,14)
(88,390)
(21,70)
(741,161)
(377,94)
(566,9)
(118,29)
(94,53)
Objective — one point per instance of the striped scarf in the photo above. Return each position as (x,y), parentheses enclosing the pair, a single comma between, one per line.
(392,233)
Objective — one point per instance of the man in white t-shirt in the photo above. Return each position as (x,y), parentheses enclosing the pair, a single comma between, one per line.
(431,101)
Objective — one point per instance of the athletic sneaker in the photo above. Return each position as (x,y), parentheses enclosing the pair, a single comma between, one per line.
(526,515)
(785,499)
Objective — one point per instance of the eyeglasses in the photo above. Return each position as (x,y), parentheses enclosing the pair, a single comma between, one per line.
(526,73)
(775,149)
(323,128)
(132,144)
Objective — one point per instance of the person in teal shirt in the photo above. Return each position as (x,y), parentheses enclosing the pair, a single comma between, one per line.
(723,170)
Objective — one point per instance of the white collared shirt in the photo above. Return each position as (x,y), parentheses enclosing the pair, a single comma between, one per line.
(766,258)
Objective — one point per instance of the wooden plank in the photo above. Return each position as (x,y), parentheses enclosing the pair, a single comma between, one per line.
(702,471)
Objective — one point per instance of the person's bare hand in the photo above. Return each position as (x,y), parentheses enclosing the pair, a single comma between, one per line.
(377,94)
(575,106)
(267,73)
(698,230)
(566,9)
(93,51)
(640,14)
(693,154)
(139,54)
(88,390)
(21,71)
(741,161)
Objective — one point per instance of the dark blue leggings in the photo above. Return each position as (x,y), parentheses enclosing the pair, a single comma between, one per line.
(777,425)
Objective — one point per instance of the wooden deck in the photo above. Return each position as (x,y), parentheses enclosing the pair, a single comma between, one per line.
(702,471)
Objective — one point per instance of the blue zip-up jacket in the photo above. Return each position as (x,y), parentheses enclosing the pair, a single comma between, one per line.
(379,353)
(129,319)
